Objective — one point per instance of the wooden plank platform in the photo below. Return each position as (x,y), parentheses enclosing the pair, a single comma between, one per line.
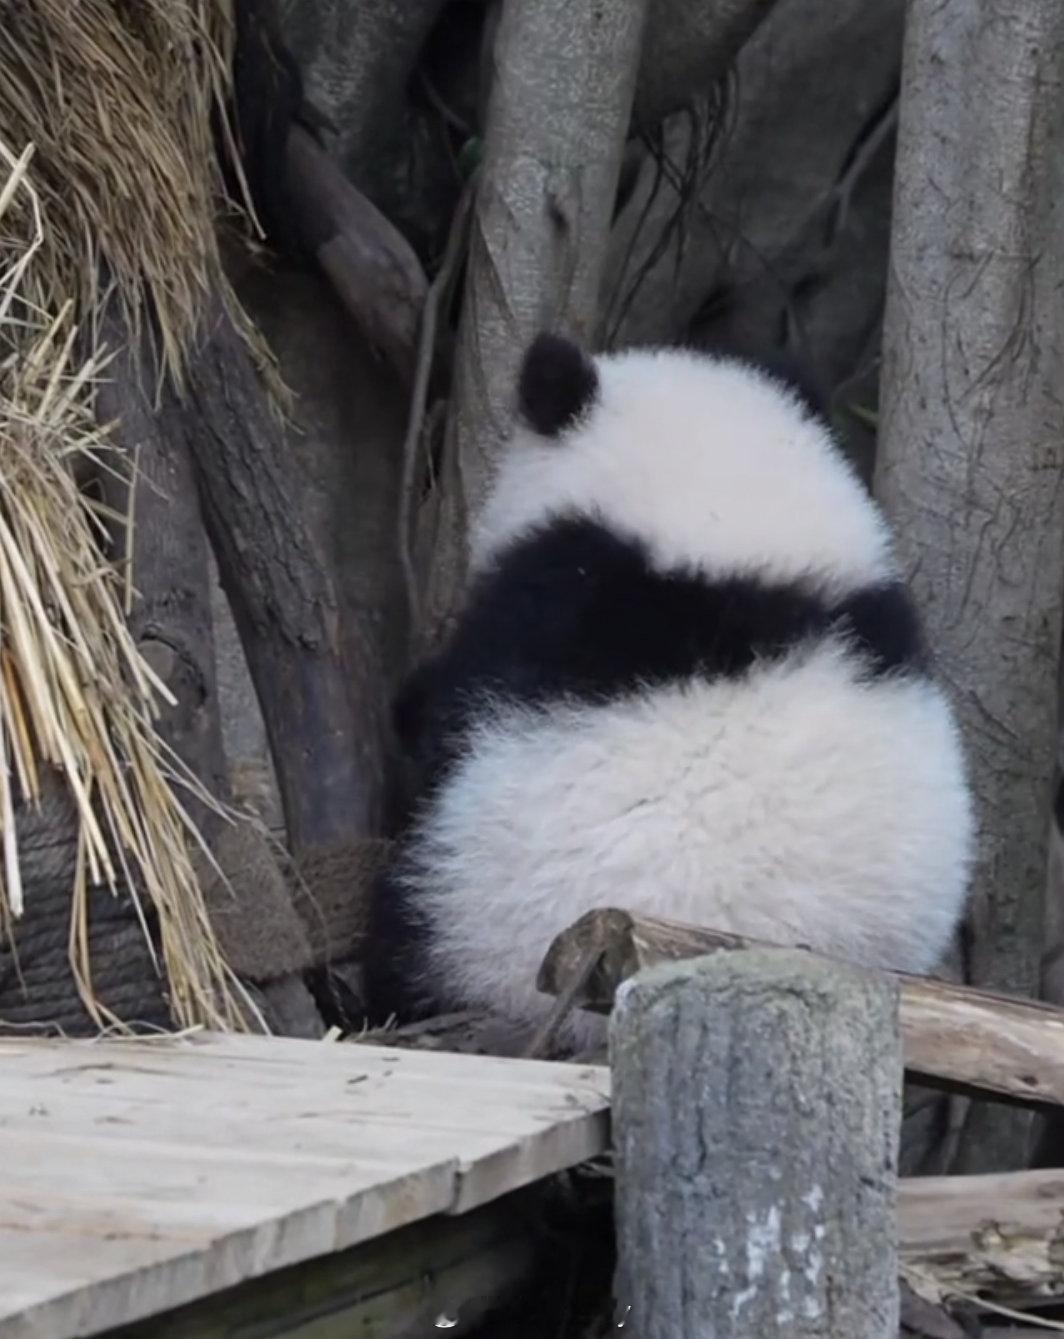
(138,1176)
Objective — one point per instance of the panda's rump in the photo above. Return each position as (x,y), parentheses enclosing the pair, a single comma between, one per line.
(803,802)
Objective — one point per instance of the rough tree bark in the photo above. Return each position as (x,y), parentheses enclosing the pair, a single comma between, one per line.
(284,600)
(169,565)
(558,116)
(350,418)
(971,451)
(356,61)
(756,1111)
(557,122)
(250,773)
(687,48)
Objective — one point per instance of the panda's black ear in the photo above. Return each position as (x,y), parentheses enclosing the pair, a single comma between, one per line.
(557,384)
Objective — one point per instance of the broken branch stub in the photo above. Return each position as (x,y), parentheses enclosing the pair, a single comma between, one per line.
(372,268)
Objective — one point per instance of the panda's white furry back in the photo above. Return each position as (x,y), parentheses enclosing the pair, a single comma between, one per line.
(688,681)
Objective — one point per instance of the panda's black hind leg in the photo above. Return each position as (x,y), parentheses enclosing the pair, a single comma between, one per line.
(396,982)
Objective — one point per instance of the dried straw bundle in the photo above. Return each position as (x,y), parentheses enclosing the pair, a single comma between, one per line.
(119,100)
(74,691)
(123,100)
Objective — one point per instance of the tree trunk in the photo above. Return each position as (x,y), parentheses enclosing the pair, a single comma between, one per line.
(168,560)
(350,416)
(784,189)
(756,1111)
(557,123)
(358,62)
(557,120)
(971,449)
(274,569)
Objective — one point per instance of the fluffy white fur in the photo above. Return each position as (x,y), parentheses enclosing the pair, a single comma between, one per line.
(803,802)
(799,805)
(709,463)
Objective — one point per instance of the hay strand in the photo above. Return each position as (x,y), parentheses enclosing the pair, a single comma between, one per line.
(123,102)
(75,694)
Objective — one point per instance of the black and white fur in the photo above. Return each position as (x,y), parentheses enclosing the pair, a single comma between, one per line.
(688,681)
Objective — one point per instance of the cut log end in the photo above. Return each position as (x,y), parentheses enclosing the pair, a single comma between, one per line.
(757,1104)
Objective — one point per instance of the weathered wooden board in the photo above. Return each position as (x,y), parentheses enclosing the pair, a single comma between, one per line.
(447,1272)
(141,1175)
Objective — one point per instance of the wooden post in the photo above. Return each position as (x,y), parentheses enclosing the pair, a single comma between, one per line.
(757,1104)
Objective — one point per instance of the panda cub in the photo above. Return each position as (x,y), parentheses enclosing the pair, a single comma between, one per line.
(688,681)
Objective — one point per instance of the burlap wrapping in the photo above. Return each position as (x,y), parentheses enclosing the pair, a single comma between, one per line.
(37,986)
(273,920)
(277,916)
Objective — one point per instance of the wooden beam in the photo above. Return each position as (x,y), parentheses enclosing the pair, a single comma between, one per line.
(275,570)
(952,1035)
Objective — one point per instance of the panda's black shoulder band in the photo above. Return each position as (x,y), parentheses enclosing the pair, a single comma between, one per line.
(557,384)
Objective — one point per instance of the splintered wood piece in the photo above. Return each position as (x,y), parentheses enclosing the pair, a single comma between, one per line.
(952,1036)
(999,1237)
